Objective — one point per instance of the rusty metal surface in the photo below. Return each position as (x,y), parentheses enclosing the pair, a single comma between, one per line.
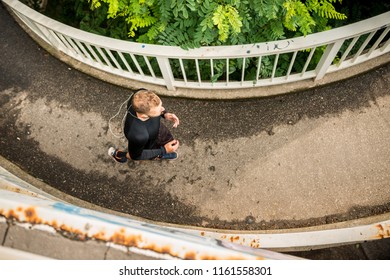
(83,224)
(383,231)
(23,203)
(306,238)
(19,201)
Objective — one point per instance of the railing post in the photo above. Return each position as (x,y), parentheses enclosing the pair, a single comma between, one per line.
(166,71)
(327,58)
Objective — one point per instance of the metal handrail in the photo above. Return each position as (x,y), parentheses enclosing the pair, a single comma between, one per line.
(20,202)
(19,198)
(166,65)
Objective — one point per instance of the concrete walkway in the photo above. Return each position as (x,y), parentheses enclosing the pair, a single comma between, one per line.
(310,158)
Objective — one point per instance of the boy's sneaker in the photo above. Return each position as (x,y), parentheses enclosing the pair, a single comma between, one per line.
(113,153)
(170,156)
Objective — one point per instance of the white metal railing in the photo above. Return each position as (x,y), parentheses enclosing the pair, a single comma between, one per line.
(167,66)
(17,196)
(20,202)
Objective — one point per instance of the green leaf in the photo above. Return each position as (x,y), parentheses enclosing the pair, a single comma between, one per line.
(185,13)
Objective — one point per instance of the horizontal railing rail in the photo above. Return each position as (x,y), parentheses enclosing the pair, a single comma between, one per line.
(18,198)
(20,202)
(259,64)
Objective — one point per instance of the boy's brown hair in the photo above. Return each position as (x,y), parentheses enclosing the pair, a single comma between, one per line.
(144,100)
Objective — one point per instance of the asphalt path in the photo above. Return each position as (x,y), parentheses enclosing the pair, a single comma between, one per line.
(310,158)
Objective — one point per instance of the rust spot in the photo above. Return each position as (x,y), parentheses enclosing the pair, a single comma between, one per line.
(202,233)
(121,238)
(166,250)
(73,233)
(208,258)
(54,224)
(99,235)
(151,247)
(132,240)
(11,214)
(234,238)
(31,216)
(118,238)
(254,244)
(382,232)
(190,256)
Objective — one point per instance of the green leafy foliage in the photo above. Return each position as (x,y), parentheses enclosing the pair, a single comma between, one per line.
(194,23)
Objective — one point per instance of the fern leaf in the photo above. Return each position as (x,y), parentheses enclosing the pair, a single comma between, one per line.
(234,19)
(325,9)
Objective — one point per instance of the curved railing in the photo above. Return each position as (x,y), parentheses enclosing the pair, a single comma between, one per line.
(18,198)
(318,54)
(22,203)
